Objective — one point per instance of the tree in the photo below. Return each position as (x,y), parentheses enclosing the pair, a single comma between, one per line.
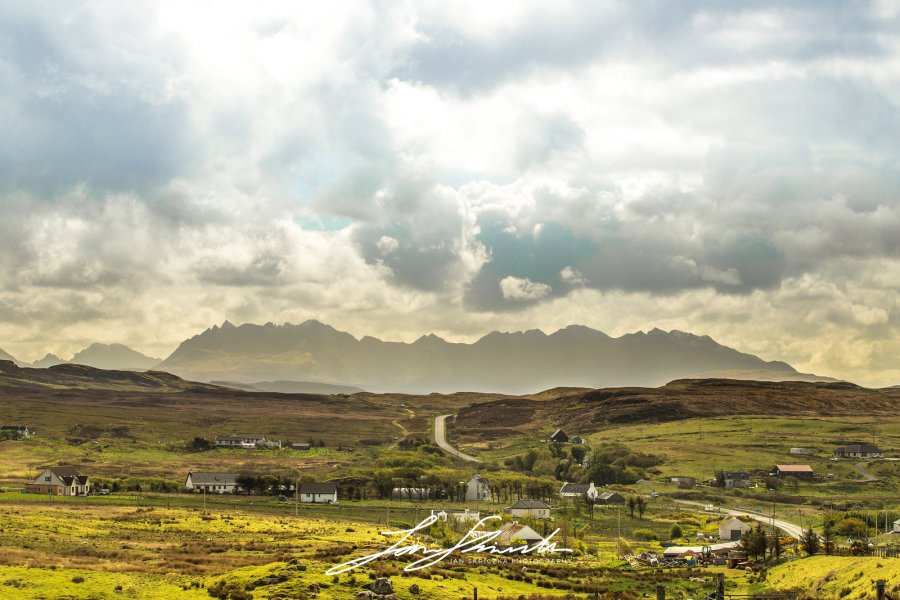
(809,541)
(632,503)
(753,542)
(384,484)
(676,532)
(827,537)
(199,444)
(590,501)
(641,506)
(578,453)
(774,543)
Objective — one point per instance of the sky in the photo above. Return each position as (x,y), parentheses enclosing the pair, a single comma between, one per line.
(399,168)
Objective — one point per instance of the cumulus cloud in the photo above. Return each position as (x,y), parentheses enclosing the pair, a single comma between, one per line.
(167,166)
(515,288)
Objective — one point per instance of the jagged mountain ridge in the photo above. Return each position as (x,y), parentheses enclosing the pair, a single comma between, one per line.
(514,363)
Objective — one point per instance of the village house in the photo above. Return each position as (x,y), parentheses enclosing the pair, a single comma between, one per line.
(516,531)
(858,451)
(732,529)
(300,445)
(736,479)
(460,516)
(15,431)
(896,526)
(610,498)
(478,489)
(799,451)
(578,490)
(318,492)
(211,483)
(685,481)
(559,436)
(530,508)
(798,471)
(63,480)
(245,441)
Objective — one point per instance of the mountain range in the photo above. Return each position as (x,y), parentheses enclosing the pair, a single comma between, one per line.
(513,363)
(100,356)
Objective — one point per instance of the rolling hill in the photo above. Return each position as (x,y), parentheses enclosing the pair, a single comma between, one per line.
(511,363)
(113,356)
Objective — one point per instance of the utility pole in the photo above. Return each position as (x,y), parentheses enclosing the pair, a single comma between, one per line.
(619,536)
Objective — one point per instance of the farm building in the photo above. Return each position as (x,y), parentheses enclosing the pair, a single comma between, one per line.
(798,471)
(559,436)
(517,531)
(300,445)
(610,498)
(686,481)
(732,529)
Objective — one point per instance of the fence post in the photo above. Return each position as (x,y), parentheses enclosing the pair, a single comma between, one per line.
(474,593)
(720,586)
(660,592)
(879,589)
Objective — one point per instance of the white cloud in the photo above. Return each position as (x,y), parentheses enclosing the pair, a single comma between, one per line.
(517,288)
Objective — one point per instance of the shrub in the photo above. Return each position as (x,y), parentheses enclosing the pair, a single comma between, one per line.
(675,532)
(647,535)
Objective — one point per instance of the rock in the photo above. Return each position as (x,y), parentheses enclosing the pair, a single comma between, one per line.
(415,590)
(382,586)
(313,587)
(366,595)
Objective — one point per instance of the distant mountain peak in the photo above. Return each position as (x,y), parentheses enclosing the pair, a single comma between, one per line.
(113,356)
(510,362)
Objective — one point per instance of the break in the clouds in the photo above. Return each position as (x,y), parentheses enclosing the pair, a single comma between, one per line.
(397,168)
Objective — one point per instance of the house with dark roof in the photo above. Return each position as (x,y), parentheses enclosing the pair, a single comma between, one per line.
(478,489)
(318,493)
(211,483)
(610,498)
(577,490)
(535,509)
(246,441)
(736,479)
(15,431)
(798,471)
(858,451)
(64,480)
(559,436)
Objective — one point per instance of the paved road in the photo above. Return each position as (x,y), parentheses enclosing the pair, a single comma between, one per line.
(791,529)
(440,438)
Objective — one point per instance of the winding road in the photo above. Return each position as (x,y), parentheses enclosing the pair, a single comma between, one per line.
(440,438)
(791,529)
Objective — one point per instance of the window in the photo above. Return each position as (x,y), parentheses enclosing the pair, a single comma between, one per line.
(47,478)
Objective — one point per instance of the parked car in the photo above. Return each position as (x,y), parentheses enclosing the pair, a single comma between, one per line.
(104,492)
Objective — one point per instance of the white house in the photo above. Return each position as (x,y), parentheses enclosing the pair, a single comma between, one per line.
(530,508)
(60,481)
(211,483)
(859,451)
(577,490)
(478,489)
(318,492)
(896,526)
(247,441)
(799,451)
(461,516)
(732,529)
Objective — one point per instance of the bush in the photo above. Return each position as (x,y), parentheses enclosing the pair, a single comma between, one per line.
(647,535)
(676,532)
(78,579)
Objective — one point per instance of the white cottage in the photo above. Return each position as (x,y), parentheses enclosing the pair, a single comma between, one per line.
(732,529)
(211,483)
(318,493)
(478,489)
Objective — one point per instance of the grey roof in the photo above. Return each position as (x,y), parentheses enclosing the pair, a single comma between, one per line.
(530,504)
(240,437)
(318,488)
(480,479)
(859,448)
(213,478)
(608,495)
(575,488)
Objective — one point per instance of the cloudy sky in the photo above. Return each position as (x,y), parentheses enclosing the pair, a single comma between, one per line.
(398,168)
